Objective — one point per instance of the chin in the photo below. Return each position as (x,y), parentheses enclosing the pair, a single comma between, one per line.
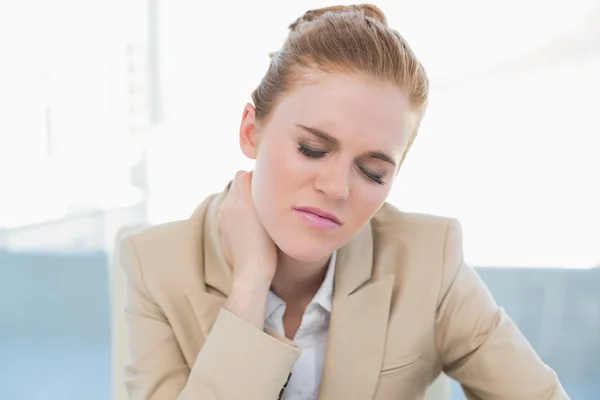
(306,250)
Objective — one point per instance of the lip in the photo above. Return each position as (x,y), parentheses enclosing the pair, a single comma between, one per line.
(318,218)
(320,213)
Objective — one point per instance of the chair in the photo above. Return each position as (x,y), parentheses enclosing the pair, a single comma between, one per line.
(439,390)
(120,345)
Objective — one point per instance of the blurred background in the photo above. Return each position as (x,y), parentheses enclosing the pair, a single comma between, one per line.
(120,113)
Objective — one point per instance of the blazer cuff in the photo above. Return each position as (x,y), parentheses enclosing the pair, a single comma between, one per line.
(242,361)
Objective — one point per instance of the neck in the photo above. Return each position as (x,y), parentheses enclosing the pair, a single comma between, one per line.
(296,281)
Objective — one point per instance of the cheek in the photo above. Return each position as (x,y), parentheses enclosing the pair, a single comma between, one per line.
(282,164)
(368,200)
(274,171)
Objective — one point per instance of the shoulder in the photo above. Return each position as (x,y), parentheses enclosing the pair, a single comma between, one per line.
(163,238)
(422,230)
(172,235)
(165,253)
(422,247)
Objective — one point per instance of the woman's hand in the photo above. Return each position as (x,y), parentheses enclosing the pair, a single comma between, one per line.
(247,246)
(249,249)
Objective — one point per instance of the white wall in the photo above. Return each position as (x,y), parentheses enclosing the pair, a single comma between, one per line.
(509,145)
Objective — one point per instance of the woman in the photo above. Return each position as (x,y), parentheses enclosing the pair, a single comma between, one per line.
(298,281)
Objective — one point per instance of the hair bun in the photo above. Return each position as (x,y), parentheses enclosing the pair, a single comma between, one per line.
(367,10)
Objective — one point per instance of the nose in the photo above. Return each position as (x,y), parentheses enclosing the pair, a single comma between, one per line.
(334,181)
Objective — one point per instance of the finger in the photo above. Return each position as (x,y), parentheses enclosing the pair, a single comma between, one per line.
(243,179)
(234,183)
(248,181)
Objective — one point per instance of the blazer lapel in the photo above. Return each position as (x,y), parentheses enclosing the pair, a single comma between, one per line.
(217,271)
(208,301)
(359,323)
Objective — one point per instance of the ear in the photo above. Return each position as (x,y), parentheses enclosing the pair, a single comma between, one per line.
(249,132)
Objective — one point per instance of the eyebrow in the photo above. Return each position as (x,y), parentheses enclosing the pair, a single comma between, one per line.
(333,141)
(320,134)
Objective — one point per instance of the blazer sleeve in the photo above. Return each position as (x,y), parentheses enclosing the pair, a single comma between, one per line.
(237,360)
(480,346)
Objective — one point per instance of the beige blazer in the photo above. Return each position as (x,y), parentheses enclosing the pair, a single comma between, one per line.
(405,308)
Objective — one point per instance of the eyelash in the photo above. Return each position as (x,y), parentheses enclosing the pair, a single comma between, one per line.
(374,177)
(310,153)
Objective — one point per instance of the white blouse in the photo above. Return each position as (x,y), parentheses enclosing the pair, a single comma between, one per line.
(311,337)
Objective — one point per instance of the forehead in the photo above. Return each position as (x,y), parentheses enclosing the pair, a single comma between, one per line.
(351,108)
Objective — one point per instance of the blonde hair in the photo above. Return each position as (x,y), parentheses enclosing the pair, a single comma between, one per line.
(349,39)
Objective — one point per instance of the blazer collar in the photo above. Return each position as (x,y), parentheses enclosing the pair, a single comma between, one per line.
(217,271)
(354,263)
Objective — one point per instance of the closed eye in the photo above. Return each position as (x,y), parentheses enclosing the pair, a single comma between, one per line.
(377,178)
(311,153)
(315,154)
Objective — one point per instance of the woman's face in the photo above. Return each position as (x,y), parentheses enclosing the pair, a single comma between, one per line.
(326,159)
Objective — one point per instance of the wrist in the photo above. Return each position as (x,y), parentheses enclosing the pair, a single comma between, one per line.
(247,299)
(248,274)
